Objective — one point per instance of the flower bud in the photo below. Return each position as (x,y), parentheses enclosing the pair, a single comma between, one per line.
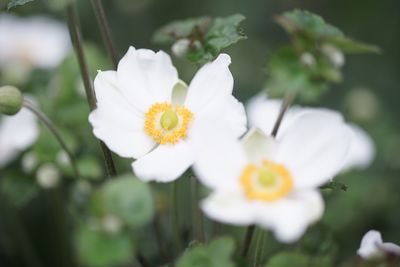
(111,224)
(10,100)
(334,54)
(180,47)
(307,59)
(48,176)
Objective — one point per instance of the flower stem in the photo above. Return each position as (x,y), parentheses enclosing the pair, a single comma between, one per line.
(105,30)
(287,101)
(175,218)
(76,37)
(197,218)
(50,125)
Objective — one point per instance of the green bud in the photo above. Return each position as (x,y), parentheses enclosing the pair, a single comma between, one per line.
(10,100)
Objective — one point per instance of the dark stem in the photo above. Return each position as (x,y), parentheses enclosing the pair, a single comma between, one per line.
(175,219)
(140,258)
(197,218)
(287,101)
(50,125)
(160,238)
(105,31)
(76,37)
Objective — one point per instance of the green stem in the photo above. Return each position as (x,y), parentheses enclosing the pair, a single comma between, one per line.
(50,125)
(76,37)
(105,30)
(175,218)
(287,101)
(197,218)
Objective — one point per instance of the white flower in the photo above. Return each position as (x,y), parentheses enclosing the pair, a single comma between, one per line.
(273,183)
(373,247)
(145,112)
(17,133)
(262,113)
(35,41)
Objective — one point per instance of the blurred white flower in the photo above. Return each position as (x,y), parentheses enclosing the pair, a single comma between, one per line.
(48,176)
(373,247)
(32,42)
(111,224)
(307,59)
(29,162)
(180,47)
(262,113)
(334,54)
(17,133)
(273,183)
(145,112)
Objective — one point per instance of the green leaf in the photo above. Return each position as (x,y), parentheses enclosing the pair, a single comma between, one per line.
(14,3)
(99,249)
(207,37)
(308,27)
(127,198)
(217,254)
(288,259)
(224,32)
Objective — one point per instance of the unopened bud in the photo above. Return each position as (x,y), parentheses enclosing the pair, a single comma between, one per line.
(111,224)
(180,47)
(29,162)
(48,176)
(334,54)
(10,100)
(307,59)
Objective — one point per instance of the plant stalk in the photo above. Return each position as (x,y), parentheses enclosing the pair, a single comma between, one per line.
(53,129)
(76,37)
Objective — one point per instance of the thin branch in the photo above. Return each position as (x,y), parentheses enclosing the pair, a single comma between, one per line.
(76,37)
(105,30)
(50,125)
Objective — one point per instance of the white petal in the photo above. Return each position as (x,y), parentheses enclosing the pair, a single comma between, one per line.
(369,247)
(314,148)
(146,77)
(213,80)
(229,207)
(220,157)
(258,146)
(165,163)
(362,149)
(17,133)
(290,217)
(390,248)
(226,110)
(116,122)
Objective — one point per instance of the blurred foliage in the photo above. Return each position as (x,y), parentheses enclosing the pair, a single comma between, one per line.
(216,254)
(313,61)
(205,37)
(14,3)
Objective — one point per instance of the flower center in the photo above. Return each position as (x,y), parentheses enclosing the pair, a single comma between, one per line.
(166,123)
(169,120)
(268,182)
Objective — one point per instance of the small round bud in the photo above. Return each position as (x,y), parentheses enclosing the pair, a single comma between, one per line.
(10,100)
(29,162)
(48,176)
(111,224)
(180,47)
(307,59)
(334,54)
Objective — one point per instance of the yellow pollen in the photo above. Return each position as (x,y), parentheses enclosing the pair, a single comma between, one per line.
(166,123)
(268,182)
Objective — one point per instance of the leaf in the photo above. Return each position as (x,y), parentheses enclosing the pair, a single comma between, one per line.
(309,27)
(14,3)
(288,259)
(99,249)
(224,32)
(217,254)
(127,198)
(19,189)
(207,37)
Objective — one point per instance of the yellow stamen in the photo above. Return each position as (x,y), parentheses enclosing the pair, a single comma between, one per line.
(167,124)
(269,182)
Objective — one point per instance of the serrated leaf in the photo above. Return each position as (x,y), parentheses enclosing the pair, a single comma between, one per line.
(302,21)
(216,254)
(14,3)
(224,32)
(127,198)
(288,259)
(99,249)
